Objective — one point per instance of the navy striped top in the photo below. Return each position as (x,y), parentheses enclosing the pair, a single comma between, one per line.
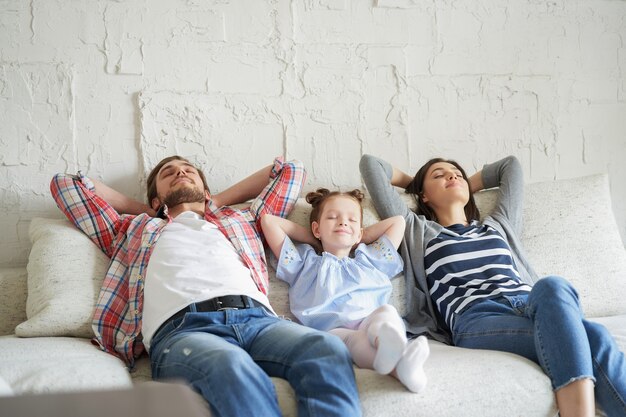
(465,264)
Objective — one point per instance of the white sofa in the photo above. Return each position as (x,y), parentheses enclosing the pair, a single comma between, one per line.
(45,312)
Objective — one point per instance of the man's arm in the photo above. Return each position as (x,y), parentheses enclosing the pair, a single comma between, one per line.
(76,198)
(276,229)
(281,193)
(120,202)
(244,190)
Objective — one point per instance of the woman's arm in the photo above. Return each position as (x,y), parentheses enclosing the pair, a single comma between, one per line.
(507,175)
(400,178)
(393,228)
(380,179)
(277,228)
(476,182)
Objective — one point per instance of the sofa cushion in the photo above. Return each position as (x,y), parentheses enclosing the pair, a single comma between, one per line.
(65,273)
(5,388)
(570,231)
(53,364)
(455,382)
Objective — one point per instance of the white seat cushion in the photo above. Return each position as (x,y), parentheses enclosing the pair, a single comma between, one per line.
(54,364)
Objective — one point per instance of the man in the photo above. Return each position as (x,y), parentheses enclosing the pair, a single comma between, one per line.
(188,281)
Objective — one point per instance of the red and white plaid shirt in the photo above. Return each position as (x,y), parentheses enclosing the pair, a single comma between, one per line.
(128,240)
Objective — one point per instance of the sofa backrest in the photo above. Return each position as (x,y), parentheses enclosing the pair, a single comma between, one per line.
(569,230)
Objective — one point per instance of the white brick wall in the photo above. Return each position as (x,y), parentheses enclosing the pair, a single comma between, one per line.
(112,86)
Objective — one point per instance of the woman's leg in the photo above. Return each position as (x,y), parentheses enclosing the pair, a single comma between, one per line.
(549,329)
(510,324)
(587,347)
(563,346)
(609,368)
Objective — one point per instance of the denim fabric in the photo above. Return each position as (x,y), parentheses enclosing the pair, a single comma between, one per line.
(547,327)
(228,357)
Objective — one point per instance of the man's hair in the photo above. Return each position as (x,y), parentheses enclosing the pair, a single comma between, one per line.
(416,188)
(318,198)
(152,188)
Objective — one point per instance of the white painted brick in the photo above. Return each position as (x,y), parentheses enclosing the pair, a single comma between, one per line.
(112,86)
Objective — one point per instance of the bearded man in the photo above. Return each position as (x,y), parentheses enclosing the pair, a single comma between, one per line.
(188,283)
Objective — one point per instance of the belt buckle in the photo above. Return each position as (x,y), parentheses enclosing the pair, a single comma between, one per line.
(220,308)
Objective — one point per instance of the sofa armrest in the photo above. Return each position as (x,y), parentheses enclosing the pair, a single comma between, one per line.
(13,294)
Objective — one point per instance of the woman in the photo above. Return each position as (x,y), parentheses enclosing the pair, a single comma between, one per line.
(473,286)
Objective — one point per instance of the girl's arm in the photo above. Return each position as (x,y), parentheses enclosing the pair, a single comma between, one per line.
(392,227)
(277,228)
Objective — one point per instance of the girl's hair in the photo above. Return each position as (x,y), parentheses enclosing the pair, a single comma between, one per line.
(416,187)
(151,186)
(319,197)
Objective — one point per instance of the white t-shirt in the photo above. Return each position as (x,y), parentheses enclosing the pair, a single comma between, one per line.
(192,261)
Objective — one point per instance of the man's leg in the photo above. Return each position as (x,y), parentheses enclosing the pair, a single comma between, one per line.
(316,364)
(215,366)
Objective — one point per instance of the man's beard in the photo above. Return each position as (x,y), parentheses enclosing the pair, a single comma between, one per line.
(184,195)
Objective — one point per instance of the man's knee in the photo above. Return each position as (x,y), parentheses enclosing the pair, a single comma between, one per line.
(323,344)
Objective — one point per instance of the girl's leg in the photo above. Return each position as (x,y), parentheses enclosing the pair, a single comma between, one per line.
(379,341)
(386,330)
(410,369)
(358,344)
(387,333)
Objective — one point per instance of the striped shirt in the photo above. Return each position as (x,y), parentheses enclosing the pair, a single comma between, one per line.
(128,240)
(466,264)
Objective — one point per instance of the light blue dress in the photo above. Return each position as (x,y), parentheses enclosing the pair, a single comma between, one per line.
(326,292)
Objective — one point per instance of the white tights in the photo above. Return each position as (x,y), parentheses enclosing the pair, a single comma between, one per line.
(380,343)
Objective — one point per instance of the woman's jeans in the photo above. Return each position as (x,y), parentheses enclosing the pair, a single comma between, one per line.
(547,327)
(228,357)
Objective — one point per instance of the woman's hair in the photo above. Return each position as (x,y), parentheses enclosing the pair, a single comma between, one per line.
(319,197)
(416,187)
(151,183)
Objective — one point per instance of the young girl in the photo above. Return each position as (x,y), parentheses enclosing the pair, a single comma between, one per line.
(475,287)
(343,295)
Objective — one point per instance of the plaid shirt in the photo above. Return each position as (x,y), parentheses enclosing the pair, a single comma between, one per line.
(128,240)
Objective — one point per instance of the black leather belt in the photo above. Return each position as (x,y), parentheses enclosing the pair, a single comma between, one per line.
(227,302)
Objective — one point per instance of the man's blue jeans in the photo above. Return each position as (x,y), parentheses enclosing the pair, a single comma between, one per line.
(228,357)
(547,327)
